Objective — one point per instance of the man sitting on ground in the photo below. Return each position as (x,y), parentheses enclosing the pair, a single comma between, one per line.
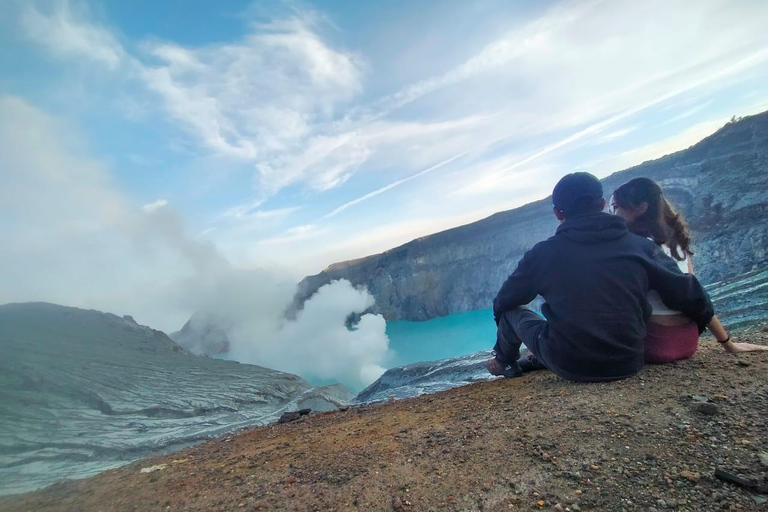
(594,276)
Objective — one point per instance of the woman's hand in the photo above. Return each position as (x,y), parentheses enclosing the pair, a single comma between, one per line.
(736,348)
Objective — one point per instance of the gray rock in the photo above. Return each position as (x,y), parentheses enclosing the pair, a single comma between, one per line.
(427,377)
(287,417)
(706,408)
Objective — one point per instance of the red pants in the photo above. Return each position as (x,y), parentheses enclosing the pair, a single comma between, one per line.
(666,344)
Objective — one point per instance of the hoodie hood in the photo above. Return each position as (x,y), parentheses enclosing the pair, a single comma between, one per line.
(593,229)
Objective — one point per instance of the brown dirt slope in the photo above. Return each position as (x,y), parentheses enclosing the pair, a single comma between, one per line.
(538,442)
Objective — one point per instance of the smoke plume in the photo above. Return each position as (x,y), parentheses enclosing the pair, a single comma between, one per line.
(71,238)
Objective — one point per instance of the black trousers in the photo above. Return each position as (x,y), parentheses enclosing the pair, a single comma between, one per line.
(516,327)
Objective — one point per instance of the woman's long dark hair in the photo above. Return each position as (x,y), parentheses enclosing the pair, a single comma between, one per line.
(660,221)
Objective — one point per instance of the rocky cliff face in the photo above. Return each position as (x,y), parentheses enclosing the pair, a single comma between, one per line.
(720,184)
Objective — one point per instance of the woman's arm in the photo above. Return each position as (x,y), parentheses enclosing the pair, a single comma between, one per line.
(721,335)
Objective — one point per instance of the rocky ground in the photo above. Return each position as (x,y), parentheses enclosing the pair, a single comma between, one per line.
(652,442)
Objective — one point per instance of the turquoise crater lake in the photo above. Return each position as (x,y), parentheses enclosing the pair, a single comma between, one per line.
(454,335)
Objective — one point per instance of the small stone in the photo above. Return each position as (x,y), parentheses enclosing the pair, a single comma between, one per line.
(763,456)
(289,416)
(691,476)
(759,500)
(540,503)
(152,469)
(397,504)
(706,408)
(558,507)
(579,491)
(344,408)
(291,479)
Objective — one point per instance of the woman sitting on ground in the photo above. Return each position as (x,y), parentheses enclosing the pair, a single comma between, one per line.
(671,335)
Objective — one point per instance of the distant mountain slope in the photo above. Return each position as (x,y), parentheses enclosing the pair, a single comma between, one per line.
(720,184)
(203,334)
(82,391)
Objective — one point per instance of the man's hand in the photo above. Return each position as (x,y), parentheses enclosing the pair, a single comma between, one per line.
(736,348)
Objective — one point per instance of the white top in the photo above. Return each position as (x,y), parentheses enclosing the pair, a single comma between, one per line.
(654,299)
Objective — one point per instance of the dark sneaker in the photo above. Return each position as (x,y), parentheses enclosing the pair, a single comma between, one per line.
(496,367)
(529,363)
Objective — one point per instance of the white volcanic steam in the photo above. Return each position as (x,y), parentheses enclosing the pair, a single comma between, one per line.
(249,305)
(318,344)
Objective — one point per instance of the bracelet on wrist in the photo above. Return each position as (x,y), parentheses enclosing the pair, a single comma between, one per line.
(726,340)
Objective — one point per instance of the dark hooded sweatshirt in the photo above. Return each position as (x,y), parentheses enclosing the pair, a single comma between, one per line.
(594,276)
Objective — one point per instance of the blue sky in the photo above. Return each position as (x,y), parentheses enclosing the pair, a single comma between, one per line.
(290,135)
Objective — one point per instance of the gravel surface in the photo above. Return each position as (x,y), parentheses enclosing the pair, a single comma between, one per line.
(652,442)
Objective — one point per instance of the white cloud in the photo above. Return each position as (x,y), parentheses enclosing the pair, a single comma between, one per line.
(493,179)
(258,98)
(293,234)
(67,32)
(267,97)
(518,42)
(615,134)
(689,112)
(394,184)
(326,162)
(156,205)
(250,212)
